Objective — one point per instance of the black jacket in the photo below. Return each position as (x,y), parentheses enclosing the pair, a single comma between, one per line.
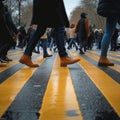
(49,13)
(10,23)
(108,8)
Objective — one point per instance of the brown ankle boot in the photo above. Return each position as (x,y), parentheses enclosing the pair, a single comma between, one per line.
(25,59)
(103,61)
(64,61)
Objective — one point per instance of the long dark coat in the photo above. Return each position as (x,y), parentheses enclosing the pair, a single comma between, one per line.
(108,8)
(49,13)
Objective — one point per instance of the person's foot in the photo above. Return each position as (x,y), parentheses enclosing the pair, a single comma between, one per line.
(50,49)
(3,61)
(38,52)
(68,48)
(47,55)
(2,64)
(25,59)
(35,51)
(76,48)
(81,52)
(6,59)
(103,61)
(64,61)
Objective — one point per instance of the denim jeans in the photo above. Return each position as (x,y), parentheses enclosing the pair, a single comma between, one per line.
(109,30)
(38,45)
(51,43)
(60,40)
(72,41)
(34,40)
(44,46)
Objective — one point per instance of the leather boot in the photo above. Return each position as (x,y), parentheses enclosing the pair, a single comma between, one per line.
(64,61)
(25,59)
(103,61)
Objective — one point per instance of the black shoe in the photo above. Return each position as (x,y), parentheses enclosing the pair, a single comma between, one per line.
(38,52)
(47,56)
(81,52)
(76,48)
(50,49)
(3,61)
(68,48)
(7,59)
(35,51)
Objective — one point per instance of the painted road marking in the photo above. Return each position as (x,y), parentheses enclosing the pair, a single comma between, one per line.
(108,87)
(12,86)
(60,102)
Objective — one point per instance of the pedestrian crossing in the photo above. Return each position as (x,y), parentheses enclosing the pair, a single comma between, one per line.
(81,91)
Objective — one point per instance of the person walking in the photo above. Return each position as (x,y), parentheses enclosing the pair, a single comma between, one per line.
(114,38)
(82,30)
(53,10)
(13,31)
(22,41)
(6,38)
(44,40)
(109,9)
(72,36)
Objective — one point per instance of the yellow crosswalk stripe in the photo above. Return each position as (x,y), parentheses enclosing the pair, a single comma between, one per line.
(9,64)
(113,58)
(60,102)
(108,87)
(12,86)
(116,67)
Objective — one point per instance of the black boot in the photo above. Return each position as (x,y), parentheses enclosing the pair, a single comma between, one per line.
(47,55)
(81,52)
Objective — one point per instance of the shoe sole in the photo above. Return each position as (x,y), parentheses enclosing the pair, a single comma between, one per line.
(22,62)
(3,64)
(101,64)
(64,65)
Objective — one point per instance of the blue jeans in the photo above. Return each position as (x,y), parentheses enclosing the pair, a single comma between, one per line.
(38,45)
(109,30)
(60,40)
(51,43)
(72,41)
(44,46)
(59,36)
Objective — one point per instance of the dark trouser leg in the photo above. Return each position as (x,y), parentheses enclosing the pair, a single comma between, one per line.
(60,40)
(34,40)
(44,45)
